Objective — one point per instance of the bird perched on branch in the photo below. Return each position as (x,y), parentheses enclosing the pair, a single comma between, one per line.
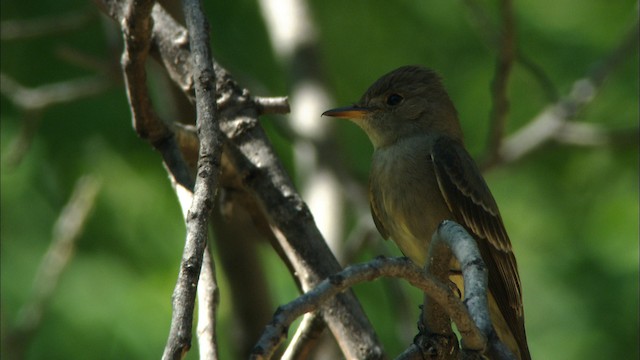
(421,174)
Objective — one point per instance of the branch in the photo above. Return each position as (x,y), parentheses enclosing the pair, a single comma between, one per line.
(481,20)
(44,26)
(305,338)
(293,226)
(38,98)
(294,40)
(264,178)
(33,100)
(208,290)
(475,277)
(553,123)
(208,300)
(451,238)
(66,231)
(206,183)
(471,317)
(239,234)
(272,105)
(275,333)
(136,29)
(504,64)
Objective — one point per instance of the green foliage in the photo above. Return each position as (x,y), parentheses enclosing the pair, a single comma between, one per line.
(572,213)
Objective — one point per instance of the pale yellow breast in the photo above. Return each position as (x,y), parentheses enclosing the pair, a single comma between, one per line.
(406,193)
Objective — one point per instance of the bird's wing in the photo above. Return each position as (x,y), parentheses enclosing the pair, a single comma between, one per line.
(472,204)
(375,212)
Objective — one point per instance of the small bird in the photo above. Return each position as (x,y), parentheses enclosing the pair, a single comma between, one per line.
(421,174)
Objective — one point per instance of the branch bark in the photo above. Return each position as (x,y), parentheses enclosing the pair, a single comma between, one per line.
(471,316)
(264,178)
(66,232)
(206,183)
(476,280)
(296,232)
(554,122)
(275,333)
(504,63)
(314,299)
(208,300)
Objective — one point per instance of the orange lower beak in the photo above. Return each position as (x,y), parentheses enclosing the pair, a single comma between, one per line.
(347,112)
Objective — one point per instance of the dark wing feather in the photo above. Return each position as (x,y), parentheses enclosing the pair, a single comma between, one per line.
(375,213)
(472,204)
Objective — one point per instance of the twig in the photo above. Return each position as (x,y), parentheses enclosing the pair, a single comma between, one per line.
(475,277)
(238,235)
(452,239)
(553,123)
(34,100)
(477,334)
(20,145)
(504,63)
(272,105)
(265,179)
(89,62)
(253,157)
(136,26)
(293,33)
(44,26)
(297,234)
(305,338)
(38,98)
(208,300)
(481,20)
(208,290)
(403,268)
(66,231)
(546,83)
(206,183)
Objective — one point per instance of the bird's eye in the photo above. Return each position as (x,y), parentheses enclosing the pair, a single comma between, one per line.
(394,99)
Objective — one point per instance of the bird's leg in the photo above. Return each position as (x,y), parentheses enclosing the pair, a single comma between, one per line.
(435,319)
(436,338)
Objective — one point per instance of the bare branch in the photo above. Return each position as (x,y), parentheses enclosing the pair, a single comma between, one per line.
(475,276)
(296,232)
(44,26)
(293,34)
(206,183)
(272,105)
(66,232)
(476,282)
(504,63)
(553,123)
(253,157)
(208,290)
(305,338)
(275,333)
(493,38)
(475,330)
(208,300)
(38,98)
(34,100)
(240,228)
(136,28)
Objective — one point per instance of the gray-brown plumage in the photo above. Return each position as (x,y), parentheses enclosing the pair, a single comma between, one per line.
(421,174)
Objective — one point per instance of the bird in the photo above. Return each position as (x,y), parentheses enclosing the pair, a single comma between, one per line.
(421,174)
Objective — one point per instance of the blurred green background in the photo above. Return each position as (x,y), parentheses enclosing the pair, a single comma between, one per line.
(572,212)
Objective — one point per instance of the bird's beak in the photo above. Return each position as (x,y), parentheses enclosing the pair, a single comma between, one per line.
(347,112)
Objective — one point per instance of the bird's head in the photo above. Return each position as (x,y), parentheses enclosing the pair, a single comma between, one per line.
(408,101)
